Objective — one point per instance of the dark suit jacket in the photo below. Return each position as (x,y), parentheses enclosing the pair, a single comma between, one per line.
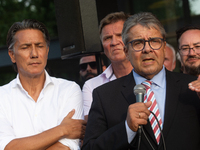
(106,124)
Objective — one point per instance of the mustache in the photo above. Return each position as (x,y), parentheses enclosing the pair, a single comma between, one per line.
(147,56)
(190,57)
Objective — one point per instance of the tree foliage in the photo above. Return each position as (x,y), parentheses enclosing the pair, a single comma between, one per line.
(17,10)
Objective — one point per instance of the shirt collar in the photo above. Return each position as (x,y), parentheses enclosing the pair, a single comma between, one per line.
(157,79)
(48,81)
(108,73)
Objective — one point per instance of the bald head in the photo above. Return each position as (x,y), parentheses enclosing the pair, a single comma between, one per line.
(170,58)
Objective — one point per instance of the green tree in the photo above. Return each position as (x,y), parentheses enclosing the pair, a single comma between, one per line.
(17,10)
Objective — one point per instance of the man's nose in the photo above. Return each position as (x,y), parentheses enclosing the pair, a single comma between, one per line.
(114,41)
(88,68)
(147,47)
(34,52)
(191,51)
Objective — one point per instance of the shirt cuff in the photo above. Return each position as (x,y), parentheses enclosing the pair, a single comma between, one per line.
(130,134)
(73,144)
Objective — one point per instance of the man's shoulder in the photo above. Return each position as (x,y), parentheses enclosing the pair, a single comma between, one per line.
(180,76)
(94,82)
(95,79)
(117,83)
(64,83)
(7,87)
(100,79)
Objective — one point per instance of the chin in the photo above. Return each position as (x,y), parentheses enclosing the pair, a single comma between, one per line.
(36,72)
(150,71)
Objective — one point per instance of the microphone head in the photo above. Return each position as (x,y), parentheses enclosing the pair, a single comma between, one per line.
(139,89)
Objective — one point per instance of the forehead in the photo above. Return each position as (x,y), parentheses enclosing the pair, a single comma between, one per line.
(139,31)
(87,59)
(190,36)
(113,28)
(29,36)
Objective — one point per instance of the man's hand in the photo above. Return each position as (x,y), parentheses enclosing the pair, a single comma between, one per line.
(195,86)
(138,114)
(73,128)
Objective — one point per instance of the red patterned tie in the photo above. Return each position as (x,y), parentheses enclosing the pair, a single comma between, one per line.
(149,96)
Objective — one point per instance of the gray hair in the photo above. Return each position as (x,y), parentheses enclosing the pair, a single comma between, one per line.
(145,19)
(173,51)
(178,57)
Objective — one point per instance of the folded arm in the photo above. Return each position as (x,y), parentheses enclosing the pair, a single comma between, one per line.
(69,128)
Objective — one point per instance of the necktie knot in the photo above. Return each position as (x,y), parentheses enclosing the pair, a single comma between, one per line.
(147,84)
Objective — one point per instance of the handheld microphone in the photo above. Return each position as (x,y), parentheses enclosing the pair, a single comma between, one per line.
(139,91)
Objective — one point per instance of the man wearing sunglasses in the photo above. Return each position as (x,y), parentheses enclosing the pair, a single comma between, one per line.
(88,67)
(110,30)
(188,38)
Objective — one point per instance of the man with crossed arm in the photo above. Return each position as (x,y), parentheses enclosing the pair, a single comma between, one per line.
(37,112)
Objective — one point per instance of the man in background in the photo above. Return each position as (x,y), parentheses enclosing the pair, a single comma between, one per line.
(110,30)
(188,38)
(88,68)
(37,111)
(170,57)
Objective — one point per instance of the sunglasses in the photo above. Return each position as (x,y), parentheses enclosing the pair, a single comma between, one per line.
(83,66)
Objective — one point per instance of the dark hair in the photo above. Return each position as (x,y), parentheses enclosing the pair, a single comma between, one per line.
(185,28)
(25,24)
(145,19)
(112,18)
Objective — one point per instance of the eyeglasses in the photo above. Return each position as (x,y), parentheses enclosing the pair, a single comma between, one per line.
(83,66)
(185,50)
(139,44)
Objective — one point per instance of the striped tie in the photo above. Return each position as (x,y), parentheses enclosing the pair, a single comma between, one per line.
(149,96)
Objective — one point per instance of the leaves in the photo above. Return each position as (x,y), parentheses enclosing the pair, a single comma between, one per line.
(17,10)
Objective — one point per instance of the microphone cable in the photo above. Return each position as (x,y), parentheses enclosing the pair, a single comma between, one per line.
(164,146)
(141,129)
(139,135)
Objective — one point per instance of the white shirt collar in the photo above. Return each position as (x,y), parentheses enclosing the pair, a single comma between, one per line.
(48,81)
(108,73)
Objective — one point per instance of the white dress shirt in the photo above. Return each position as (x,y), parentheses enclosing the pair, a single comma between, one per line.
(90,85)
(21,116)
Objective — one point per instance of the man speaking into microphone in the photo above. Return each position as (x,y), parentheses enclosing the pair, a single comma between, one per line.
(170,113)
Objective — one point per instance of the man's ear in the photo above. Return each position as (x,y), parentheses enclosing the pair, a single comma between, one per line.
(12,56)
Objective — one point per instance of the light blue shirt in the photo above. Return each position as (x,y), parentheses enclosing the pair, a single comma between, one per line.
(159,88)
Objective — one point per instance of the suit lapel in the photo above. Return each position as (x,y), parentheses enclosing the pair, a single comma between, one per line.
(127,89)
(171,103)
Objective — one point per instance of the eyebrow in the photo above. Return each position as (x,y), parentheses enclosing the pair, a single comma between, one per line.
(188,44)
(28,44)
(196,43)
(107,36)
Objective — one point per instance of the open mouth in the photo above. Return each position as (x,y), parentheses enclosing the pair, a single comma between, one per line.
(148,60)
